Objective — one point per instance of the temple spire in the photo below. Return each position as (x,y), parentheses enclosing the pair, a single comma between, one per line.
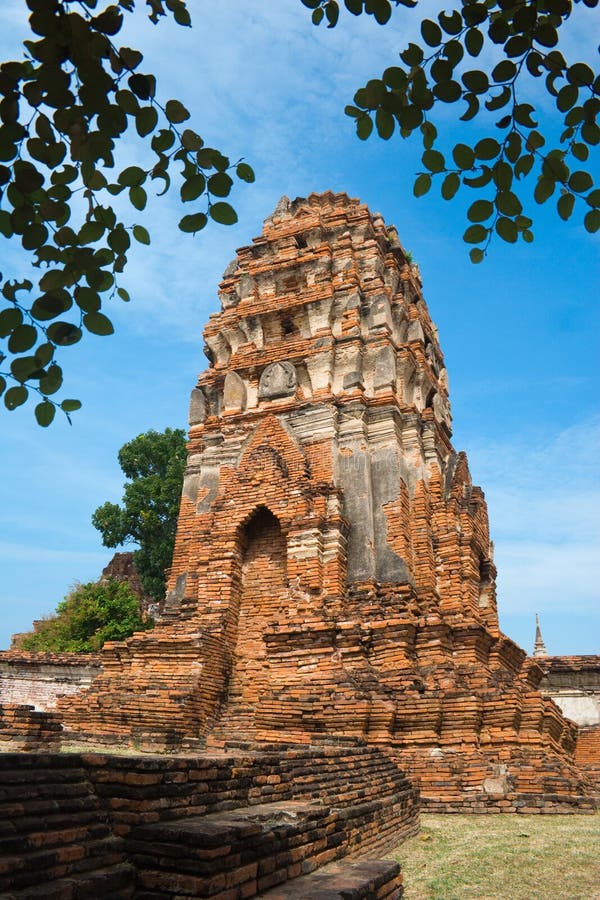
(539,647)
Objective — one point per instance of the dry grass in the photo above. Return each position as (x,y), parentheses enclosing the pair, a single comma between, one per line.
(503,857)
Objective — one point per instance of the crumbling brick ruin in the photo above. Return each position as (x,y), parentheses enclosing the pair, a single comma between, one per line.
(331,621)
(333,573)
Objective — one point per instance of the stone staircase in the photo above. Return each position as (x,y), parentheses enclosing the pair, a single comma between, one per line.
(56,840)
(252,821)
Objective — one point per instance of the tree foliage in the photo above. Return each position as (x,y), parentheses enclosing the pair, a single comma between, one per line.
(65,107)
(63,110)
(88,616)
(153,463)
(439,72)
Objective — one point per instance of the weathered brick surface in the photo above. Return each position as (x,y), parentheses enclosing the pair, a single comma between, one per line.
(56,840)
(333,572)
(22,727)
(226,826)
(39,679)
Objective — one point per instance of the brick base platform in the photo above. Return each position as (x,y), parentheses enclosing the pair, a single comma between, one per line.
(226,826)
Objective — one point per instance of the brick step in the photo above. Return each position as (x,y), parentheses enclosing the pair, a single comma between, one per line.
(237,853)
(43,834)
(113,883)
(369,879)
(344,880)
(86,855)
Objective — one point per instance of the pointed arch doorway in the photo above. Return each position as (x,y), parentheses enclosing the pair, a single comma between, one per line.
(263,587)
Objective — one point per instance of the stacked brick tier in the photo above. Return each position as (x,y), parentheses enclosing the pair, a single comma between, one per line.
(22,727)
(55,836)
(226,826)
(333,571)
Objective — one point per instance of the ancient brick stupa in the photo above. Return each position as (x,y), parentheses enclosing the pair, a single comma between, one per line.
(333,576)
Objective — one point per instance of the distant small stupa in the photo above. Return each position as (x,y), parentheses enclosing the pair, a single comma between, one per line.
(539,647)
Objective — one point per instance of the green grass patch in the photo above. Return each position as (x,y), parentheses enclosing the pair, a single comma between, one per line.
(503,857)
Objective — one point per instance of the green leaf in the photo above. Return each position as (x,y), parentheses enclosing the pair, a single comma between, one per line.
(476,255)
(87,299)
(70,405)
(364,127)
(23,338)
(223,213)
(507,230)
(44,354)
(193,223)
(422,184)
(504,71)
(412,56)
(15,396)
(9,319)
(52,380)
(544,189)
(580,151)
(508,203)
(44,413)
(119,240)
(176,111)
(463,156)
(450,185)
(472,107)
(476,81)
(580,74)
(5,224)
(452,24)
(132,176)
(474,41)
(193,187)
(90,232)
(592,221)
(191,141)
(138,197)
(475,234)
(98,323)
(146,120)
(127,101)
(447,91)
(524,165)
(580,181)
(140,234)
(431,32)
(220,184)
(480,210)
(565,205)
(24,368)
(385,123)
(487,148)
(163,141)
(51,304)
(34,236)
(63,333)
(546,35)
(434,161)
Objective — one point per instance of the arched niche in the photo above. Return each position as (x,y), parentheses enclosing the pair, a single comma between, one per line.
(262,589)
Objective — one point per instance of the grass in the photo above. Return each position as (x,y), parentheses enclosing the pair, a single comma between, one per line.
(503,857)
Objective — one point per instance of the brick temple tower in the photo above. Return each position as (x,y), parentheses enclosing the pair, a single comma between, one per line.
(333,575)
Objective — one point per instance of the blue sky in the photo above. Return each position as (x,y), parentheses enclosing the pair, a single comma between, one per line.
(519,332)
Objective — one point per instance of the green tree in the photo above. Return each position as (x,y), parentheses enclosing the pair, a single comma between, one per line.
(88,616)
(153,463)
(66,105)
